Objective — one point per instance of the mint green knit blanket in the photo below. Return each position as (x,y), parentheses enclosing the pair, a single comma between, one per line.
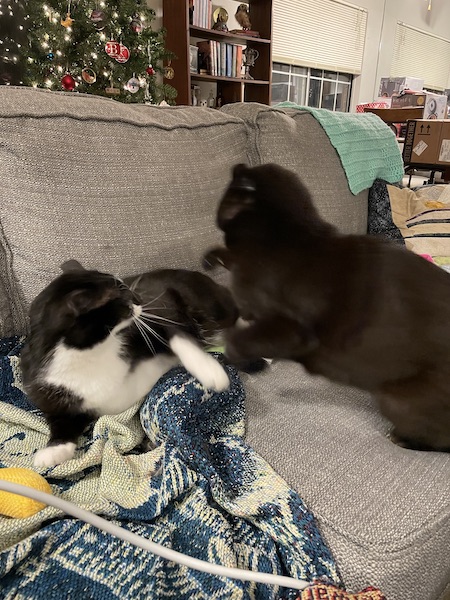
(365,144)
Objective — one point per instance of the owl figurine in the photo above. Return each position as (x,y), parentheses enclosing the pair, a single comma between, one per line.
(242,17)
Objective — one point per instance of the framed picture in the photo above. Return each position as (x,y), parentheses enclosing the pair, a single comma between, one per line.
(193,55)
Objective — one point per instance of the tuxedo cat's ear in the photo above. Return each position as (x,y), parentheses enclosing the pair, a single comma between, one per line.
(79,302)
(72,265)
(239,197)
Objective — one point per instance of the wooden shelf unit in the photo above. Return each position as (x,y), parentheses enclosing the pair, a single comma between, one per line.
(397,115)
(180,35)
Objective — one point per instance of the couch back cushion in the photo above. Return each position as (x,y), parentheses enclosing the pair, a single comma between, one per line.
(294,139)
(121,188)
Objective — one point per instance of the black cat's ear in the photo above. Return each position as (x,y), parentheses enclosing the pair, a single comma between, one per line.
(242,179)
(72,265)
(239,170)
(239,197)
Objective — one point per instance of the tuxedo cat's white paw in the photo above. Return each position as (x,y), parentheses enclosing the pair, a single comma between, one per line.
(54,455)
(213,376)
(199,363)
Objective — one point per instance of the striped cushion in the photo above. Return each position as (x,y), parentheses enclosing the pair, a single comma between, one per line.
(423,218)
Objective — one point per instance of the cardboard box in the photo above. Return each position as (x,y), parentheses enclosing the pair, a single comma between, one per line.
(444,144)
(394,85)
(427,142)
(434,105)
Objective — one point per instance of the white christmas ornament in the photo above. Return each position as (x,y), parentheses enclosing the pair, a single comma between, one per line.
(133,85)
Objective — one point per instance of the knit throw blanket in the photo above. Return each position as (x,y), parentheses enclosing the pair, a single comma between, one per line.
(365,144)
(175,470)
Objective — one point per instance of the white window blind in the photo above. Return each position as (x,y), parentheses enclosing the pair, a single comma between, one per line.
(323,34)
(421,54)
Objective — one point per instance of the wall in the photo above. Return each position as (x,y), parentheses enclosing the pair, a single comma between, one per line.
(383,16)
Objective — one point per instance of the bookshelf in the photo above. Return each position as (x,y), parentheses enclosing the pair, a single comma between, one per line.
(180,35)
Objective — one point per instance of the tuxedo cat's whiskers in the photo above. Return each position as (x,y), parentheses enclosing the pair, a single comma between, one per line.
(151,330)
(150,301)
(135,283)
(145,336)
(150,317)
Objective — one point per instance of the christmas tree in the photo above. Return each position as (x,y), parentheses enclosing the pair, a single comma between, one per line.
(105,47)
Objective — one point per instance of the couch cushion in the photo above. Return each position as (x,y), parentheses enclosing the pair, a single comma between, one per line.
(294,139)
(384,510)
(423,218)
(121,188)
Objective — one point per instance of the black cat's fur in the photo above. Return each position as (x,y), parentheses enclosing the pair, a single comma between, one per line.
(353,308)
(92,349)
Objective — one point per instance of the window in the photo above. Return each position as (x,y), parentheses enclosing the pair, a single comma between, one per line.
(429,53)
(320,34)
(311,87)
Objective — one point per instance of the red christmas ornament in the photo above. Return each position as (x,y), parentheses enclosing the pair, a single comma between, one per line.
(136,25)
(124,54)
(68,82)
(150,70)
(112,49)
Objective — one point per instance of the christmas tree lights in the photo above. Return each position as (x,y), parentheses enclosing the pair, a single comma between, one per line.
(12,39)
(105,47)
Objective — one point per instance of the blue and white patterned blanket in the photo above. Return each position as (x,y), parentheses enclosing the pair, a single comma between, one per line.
(175,470)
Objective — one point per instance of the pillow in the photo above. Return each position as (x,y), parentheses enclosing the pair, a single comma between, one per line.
(423,218)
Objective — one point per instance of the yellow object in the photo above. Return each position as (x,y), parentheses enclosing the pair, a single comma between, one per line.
(435,204)
(20,507)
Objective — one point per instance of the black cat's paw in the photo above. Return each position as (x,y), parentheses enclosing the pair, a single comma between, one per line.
(250,367)
(406,443)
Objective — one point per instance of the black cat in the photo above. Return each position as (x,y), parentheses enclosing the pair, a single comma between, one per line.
(353,308)
(98,344)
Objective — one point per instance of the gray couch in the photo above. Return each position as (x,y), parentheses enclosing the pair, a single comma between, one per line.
(125,188)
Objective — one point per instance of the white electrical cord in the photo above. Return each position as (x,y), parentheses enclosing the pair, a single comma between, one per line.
(140,542)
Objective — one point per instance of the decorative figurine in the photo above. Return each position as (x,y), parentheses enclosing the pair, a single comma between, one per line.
(220,17)
(250,56)
(242,17)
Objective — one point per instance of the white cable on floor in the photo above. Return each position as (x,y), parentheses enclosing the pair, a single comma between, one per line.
(140,542)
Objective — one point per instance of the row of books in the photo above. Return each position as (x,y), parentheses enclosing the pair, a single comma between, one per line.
(200,13)
(219,59)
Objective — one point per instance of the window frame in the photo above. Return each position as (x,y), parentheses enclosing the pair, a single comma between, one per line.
(292,76)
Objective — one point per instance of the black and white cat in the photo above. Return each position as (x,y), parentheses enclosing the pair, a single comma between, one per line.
(98,344)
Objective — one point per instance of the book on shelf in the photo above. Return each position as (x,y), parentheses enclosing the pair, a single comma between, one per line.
(209,13)
(219,59)
(228,59)
(205,59)
(223,60)
(214,58)
(201,13)
(239,51)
